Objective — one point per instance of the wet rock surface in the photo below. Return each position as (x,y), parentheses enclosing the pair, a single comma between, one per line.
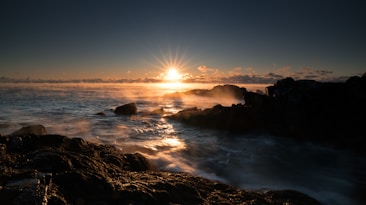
(330,113)
(126,109)
(54,169)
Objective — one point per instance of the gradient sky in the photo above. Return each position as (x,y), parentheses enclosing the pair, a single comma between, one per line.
(62,39)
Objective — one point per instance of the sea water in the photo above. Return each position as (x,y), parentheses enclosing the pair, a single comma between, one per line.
(249,161)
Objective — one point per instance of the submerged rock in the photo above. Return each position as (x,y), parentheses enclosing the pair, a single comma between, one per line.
(126,109)
(54,169)
(100,114)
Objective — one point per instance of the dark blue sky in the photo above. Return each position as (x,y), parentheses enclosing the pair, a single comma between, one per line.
(212,39)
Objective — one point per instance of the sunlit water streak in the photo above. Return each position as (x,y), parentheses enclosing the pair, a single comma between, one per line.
(252,161)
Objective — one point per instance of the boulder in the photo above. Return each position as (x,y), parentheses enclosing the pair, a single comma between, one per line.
(33,129)
(100,114)
(126,109)
(159,111)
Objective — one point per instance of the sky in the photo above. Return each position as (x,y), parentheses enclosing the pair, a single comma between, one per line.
(205,40)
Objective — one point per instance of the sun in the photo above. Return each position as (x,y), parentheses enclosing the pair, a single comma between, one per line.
(173,75)
(173,67)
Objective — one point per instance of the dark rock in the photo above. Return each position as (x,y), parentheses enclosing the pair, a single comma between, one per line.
(220,91)
(223,91)
(100,114)
(256,99)
(235,118)
(159,111)
(127,109)
(330,113)
(53,169)
(33,129)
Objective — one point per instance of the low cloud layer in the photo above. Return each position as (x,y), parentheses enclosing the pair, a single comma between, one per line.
(206,74)
(251,75)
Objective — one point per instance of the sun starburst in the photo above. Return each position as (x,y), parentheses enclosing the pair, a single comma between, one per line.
(172,74)
(173,67)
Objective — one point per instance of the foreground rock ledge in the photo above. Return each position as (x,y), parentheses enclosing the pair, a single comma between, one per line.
(54,169)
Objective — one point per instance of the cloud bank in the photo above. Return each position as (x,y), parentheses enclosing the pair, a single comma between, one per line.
(206,74)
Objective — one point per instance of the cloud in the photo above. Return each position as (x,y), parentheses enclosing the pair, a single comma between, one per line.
(207,74)
(249,75)
(285,71)
(250,71)
(324,72)
(216,76)
(273,75)
(311,77)
(235,71)
(203,68)
(314,74)
(307,69)
(249,79)
(301,73)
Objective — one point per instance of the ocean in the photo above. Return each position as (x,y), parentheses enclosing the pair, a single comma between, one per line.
(248,161)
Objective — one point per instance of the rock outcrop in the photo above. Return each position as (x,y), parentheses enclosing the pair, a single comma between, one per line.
(54,169)
(126,109)
(220,91)
(331,113)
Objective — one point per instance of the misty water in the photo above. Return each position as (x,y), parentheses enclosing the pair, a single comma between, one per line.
(249,161)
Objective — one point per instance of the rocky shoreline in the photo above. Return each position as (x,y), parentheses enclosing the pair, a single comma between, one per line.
(38,168)
(305,110)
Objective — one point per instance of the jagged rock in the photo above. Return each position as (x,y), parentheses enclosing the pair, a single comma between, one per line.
(331,113)
(126,109)
(53,169)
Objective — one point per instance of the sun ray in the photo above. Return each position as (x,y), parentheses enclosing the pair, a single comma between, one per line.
(173,66)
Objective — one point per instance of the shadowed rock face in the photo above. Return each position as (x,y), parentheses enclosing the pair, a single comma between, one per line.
(331,113)
(126,109)
(53,169)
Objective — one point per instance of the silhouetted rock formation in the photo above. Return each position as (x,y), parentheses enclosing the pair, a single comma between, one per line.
(331,113)
(220,91)
(53,169)
(126,109)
